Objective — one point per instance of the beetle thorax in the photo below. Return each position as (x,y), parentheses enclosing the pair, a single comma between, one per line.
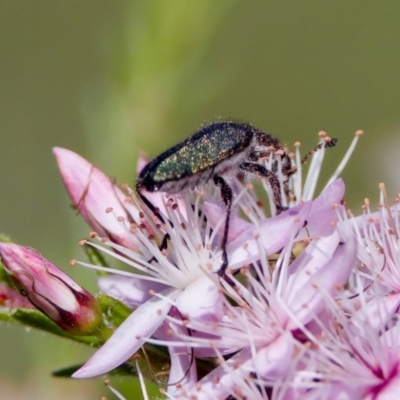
(262,146)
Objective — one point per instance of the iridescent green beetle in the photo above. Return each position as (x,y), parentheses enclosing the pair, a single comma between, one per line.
(212,152)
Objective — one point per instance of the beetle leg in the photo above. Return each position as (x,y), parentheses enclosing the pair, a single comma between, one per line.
(148,203)
(226,194)
(264,173)
(331,143)
(156,212)
(163,246)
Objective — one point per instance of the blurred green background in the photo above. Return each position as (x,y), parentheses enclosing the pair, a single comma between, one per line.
(110,78)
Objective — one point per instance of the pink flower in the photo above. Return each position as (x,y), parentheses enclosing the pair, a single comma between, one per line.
(264,323)
(173,277)
(51,290)
(357,356)
(271,324)
(187,274)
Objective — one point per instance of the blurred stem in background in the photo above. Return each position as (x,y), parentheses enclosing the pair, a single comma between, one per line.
(151,74)
(151,60)
(163,67)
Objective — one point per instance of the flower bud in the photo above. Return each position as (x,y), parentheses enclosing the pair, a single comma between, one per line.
(50,290)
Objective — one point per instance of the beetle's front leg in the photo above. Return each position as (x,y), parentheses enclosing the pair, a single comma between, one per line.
(263,173)
(156,212)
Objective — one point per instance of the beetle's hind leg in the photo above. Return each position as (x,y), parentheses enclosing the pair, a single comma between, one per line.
(227,195)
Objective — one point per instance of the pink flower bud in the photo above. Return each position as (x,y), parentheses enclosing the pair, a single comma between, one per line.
(50,290)
(101,203)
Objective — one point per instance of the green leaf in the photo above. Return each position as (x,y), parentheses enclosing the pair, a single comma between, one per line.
(114,311)
(123,370)
(4,276)
(36,319)
(95,257)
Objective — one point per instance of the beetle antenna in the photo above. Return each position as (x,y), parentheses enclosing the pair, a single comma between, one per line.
(326,143)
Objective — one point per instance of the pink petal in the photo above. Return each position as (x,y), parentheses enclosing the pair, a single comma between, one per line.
(131,291)
(313,258)
(94,195)
(274,233)
(309,299)
(365,221)
(326,391)
(379,310)
(389,390)
(221,381)
(128,337)
(237,225)
(201,300)
(274,360)
(322,217)
(183,371)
